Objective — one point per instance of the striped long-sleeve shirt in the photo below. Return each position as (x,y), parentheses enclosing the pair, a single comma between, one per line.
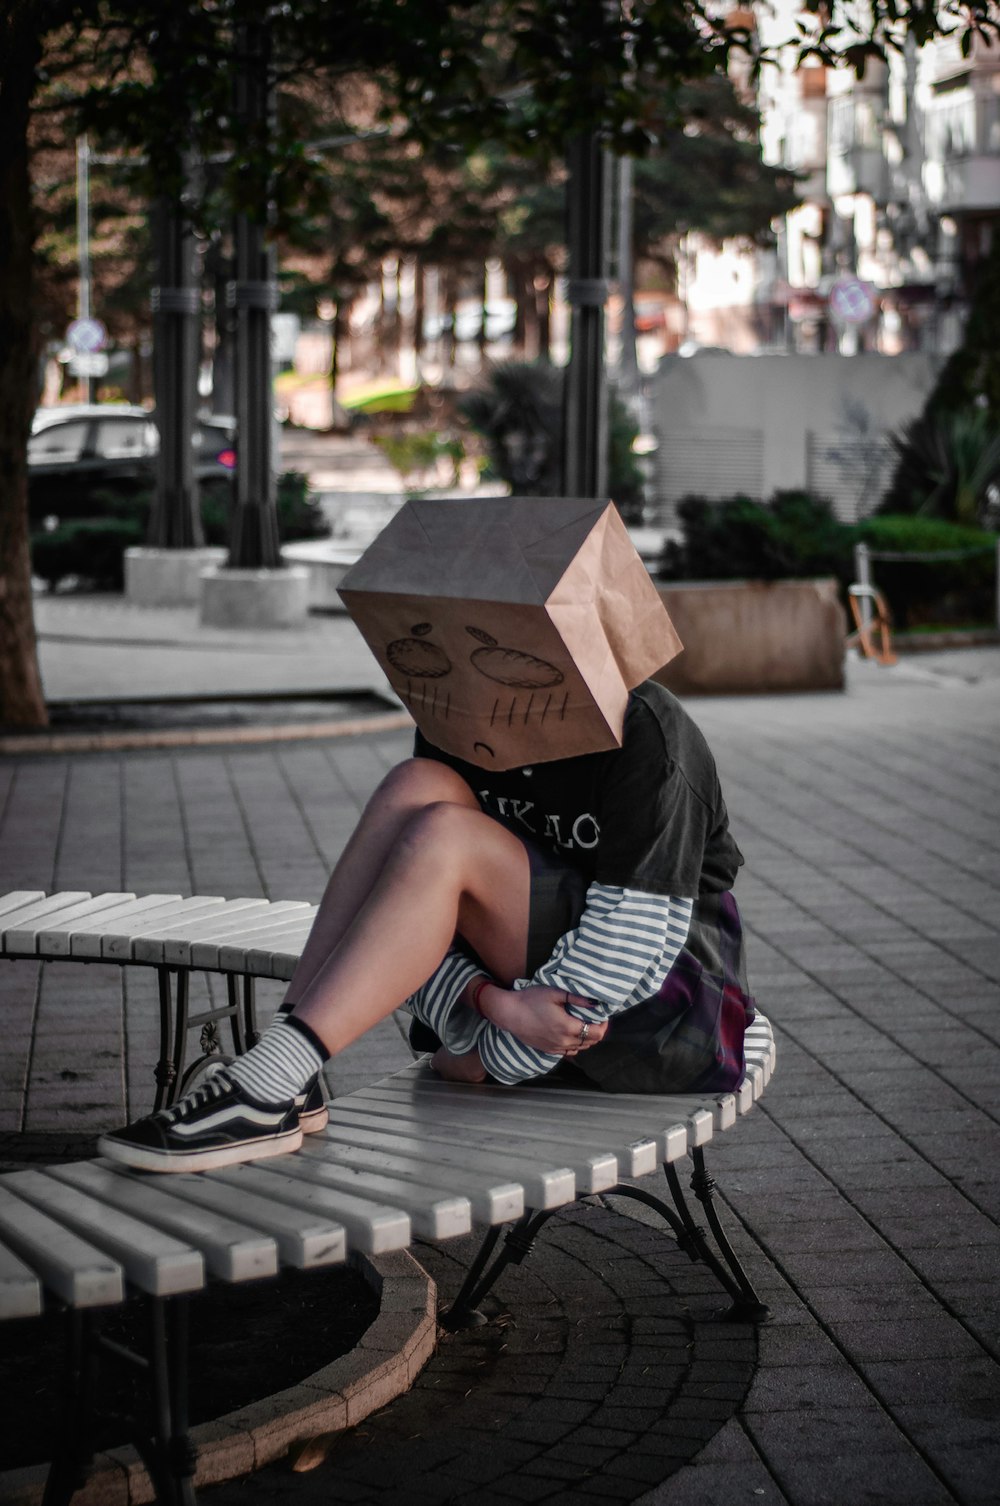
(620,952)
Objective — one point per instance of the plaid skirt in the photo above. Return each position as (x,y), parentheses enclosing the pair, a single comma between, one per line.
(687,1038)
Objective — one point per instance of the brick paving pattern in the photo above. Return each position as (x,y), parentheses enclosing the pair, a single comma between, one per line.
(865,1188)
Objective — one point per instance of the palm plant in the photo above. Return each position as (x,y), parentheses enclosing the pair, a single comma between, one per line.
(946,466)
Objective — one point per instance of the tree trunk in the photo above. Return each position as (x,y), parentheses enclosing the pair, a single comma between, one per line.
(481,336)
(543,305)
(519,332)
(339,330)
(21,700)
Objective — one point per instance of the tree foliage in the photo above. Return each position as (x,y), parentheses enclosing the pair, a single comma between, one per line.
(153,78)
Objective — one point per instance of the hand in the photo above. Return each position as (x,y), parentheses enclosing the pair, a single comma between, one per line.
(538,1017)
(467,1068)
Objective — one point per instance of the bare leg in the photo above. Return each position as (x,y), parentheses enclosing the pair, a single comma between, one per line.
(448,868)
(409,788)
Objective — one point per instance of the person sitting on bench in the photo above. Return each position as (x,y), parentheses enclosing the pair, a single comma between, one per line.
(540,911)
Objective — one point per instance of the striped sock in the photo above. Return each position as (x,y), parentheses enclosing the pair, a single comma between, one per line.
(284,1061)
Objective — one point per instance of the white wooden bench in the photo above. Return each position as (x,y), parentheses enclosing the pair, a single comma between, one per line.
(410,1155)
(242,939)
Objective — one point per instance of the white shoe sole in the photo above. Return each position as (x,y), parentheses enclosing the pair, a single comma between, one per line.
(141,1158)
(312,1123)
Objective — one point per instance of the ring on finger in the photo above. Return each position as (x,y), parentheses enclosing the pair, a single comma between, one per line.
(584,1032)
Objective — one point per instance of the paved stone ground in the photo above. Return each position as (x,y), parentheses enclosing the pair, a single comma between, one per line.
(865,1188)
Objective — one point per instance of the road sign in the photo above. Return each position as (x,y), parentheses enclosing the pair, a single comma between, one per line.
(852,301)
(86,336)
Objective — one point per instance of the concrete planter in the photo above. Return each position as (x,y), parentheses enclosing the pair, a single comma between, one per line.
(326,562)
(255,598)
(167,577)
(746,636)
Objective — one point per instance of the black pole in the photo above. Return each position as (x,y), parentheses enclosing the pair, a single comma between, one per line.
(585,426)
(252,297)
(175,521)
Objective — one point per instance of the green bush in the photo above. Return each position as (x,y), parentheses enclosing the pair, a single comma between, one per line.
(93,548)
(421,450)
(794,534)
(946,464)
(959,591)
(737,538)
(518,411)
(300,516)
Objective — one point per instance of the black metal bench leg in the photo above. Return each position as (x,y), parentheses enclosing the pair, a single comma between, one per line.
(172,1455)
(74,1443)
(166,1067)
(250,1032)
(518,1244)
(158,1424)
(747,1305)
(182,1012)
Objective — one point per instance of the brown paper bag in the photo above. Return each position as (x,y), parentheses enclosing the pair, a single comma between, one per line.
(512,628)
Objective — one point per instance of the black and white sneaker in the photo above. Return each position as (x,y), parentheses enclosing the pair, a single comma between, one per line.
(217,1124)
(311,1108)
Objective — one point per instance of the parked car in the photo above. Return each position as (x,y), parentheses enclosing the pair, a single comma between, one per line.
(78,451)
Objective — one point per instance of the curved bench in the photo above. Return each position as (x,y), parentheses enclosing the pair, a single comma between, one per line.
(242,939)
(409,1155)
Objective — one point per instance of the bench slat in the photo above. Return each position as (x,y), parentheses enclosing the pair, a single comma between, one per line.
(16,899)
(371,1227)
(20,1288)
(432,1215)
(232,1251)
(26,936)
(173,944)
(38,909)
(256,956)
(559,1138)
(283,964)
(69,1266)
(156,1263)
(118,945)
(492,1202)
(545,1185)
(304,1241)
(207,951)
(87,942)
(56,942)
(599,1117)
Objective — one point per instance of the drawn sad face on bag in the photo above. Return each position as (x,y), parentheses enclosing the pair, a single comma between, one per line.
(511,629)
(522,705)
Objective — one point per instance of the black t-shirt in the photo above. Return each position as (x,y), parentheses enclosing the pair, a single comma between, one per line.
(648,815)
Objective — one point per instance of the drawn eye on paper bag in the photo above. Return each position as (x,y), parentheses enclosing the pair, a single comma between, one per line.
(511,666)
(417,658)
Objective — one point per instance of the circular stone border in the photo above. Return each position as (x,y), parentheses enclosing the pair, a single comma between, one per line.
(300,1421)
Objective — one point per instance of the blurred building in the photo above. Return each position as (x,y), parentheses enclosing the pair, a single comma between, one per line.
(901,192)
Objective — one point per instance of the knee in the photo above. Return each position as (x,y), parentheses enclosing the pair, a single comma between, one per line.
(422,782)
(440,831)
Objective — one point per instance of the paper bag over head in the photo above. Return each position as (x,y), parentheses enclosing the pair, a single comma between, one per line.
(512,628)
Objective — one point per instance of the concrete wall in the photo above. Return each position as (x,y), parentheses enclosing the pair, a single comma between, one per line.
(756,423)
(747,636)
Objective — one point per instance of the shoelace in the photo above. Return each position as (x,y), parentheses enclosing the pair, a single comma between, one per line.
(207,1091)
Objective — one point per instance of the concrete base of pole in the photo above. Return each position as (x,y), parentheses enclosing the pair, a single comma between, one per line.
(255,598)
(167,577)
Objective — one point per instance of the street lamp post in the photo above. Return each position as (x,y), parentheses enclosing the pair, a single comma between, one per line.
(175,522)
(252,297)
(585,420)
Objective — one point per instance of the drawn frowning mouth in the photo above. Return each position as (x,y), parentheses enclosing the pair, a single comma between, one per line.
(485,747)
